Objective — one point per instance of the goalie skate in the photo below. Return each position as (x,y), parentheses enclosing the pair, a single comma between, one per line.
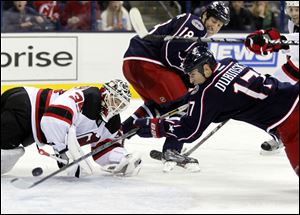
(271,147)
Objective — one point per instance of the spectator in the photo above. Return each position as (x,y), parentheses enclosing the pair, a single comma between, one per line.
(197,7)
(127,5)
(115,17)
(23,18)
(50,10)
(76,15)
(240,17)
(263,17)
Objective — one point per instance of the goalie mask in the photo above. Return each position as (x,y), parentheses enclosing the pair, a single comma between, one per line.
(116,98)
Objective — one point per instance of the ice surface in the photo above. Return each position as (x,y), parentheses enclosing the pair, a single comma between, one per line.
(234,178)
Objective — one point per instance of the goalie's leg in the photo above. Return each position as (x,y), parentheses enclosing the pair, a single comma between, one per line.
(15,126)
(9,157)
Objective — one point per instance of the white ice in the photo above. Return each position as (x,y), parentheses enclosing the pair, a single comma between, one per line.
(234,178)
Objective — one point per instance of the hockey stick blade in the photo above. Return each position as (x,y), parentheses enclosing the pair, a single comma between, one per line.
(137,22)
(20,183)
(157,155)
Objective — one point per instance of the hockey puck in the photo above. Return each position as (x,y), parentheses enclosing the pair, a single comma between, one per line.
(37,171)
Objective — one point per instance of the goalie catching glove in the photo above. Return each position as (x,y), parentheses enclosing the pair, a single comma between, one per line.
(150,127)
(258,41)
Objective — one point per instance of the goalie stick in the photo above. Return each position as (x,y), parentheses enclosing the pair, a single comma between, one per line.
(141,30)
(157,155)
(23,184)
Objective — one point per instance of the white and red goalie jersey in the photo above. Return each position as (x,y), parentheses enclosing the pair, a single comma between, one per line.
(55,111)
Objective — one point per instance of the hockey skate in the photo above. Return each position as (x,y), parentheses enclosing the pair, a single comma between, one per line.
(171,158)
(271,147)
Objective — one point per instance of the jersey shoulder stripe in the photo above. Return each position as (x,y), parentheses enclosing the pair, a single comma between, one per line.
(60,112)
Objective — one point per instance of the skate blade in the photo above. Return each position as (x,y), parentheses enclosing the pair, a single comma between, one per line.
(267,153)
(192,167)
(169,166)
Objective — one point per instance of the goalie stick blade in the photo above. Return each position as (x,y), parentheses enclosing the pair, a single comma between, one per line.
(137,22)
(21,184)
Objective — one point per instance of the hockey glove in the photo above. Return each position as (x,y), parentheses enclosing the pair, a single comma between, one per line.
(258,41)
(150,127)
(63,156)
(127,125)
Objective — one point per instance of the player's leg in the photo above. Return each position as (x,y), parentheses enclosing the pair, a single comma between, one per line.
(289,134)
(15,127)
(286,73)
(159,84)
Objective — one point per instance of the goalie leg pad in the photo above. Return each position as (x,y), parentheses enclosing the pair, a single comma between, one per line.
(119,162)
(130,165)
(9,157)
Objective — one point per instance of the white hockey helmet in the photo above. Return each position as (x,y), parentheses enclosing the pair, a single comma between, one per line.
(116,98)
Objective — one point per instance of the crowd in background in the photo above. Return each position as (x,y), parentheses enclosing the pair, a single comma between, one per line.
(65,16)
(31,16)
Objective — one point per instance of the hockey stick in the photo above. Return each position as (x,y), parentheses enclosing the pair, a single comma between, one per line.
(155,154)
(191,150)
(139,27)
(22,184)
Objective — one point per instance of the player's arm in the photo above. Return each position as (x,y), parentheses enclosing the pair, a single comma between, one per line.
(186,129)
(173,52)
(60,116)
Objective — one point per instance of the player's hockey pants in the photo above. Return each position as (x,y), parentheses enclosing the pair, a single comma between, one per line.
(15,118)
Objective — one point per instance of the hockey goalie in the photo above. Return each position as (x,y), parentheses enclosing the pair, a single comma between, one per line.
(67,120)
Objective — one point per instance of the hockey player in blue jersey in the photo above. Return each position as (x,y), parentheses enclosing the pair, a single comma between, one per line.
(229,90)
(154,69)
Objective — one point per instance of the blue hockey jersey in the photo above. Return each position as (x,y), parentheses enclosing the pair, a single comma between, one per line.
(235,91)
(170,53)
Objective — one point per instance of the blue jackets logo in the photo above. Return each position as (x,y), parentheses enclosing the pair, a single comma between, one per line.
(244,56)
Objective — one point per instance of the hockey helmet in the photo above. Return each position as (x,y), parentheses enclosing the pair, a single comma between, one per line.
(218,10)
(197,57)
(116,98)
